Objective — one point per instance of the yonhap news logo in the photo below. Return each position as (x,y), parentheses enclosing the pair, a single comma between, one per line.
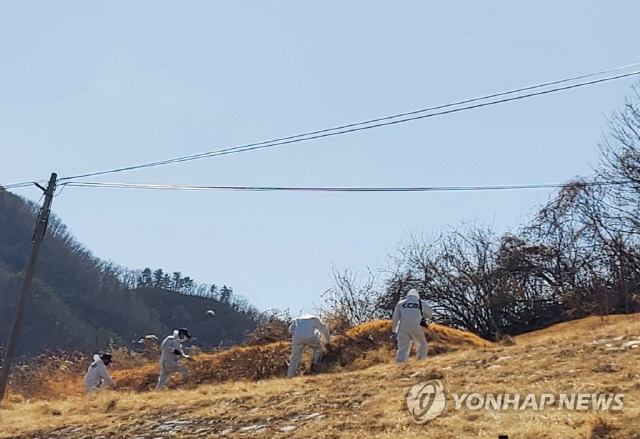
(427,400)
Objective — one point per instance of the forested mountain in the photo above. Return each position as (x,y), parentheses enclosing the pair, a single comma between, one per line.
(81,303)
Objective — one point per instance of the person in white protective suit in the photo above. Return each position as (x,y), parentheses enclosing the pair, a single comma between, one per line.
(307,330)
(98,375)
(406,328)
(171,352)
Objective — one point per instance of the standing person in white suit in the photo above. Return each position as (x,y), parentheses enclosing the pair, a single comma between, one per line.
(307,330)
(406,328)
(172,351)
(97,375)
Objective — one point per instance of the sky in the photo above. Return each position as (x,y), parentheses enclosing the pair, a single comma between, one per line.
(91,86)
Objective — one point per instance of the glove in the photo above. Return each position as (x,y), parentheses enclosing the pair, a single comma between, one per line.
(394,335)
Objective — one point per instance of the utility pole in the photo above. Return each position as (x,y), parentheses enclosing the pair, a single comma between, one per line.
(41,228)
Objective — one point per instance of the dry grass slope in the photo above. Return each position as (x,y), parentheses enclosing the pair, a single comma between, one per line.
(56,377)
(360,347)
(589,355)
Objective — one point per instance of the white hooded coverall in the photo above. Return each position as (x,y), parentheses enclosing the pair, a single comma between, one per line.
(307,330)
(169,360)
(97,375)
(406,323)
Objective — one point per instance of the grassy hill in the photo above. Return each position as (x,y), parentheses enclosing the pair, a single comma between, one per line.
(363,346)
(365,397)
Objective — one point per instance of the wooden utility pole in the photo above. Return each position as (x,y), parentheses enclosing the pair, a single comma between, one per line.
(41,228)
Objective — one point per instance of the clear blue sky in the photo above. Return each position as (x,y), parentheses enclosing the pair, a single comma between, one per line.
(89,86)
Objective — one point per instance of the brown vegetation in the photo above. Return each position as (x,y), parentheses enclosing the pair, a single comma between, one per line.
(589,355)
(363,346)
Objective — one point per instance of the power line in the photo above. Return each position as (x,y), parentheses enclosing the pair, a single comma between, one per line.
(365,125)
(376,123)
(335,189)
(17,185)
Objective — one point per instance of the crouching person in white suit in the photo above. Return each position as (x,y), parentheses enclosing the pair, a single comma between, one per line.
(406,327)
(98,375)
(307,330)
(172,351)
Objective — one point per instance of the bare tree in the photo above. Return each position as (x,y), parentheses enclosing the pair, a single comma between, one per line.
(352,297)
(456,273)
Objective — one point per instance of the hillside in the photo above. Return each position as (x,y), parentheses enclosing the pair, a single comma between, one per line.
(367,398)
(360,347)
(78,302)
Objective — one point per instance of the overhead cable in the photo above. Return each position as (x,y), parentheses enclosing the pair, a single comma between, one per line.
(379,122)
(17,185)
(174,187)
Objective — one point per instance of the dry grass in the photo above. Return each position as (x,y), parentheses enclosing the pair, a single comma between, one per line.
(60,374)
(46,375)
(370,402)
(360,347)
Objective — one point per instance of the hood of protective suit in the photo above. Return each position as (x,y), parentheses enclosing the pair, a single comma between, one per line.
(413,293)
(96,357)
(307,316)
(176,335)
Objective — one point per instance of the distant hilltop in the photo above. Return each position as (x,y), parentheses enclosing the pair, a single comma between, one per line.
(81,303)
